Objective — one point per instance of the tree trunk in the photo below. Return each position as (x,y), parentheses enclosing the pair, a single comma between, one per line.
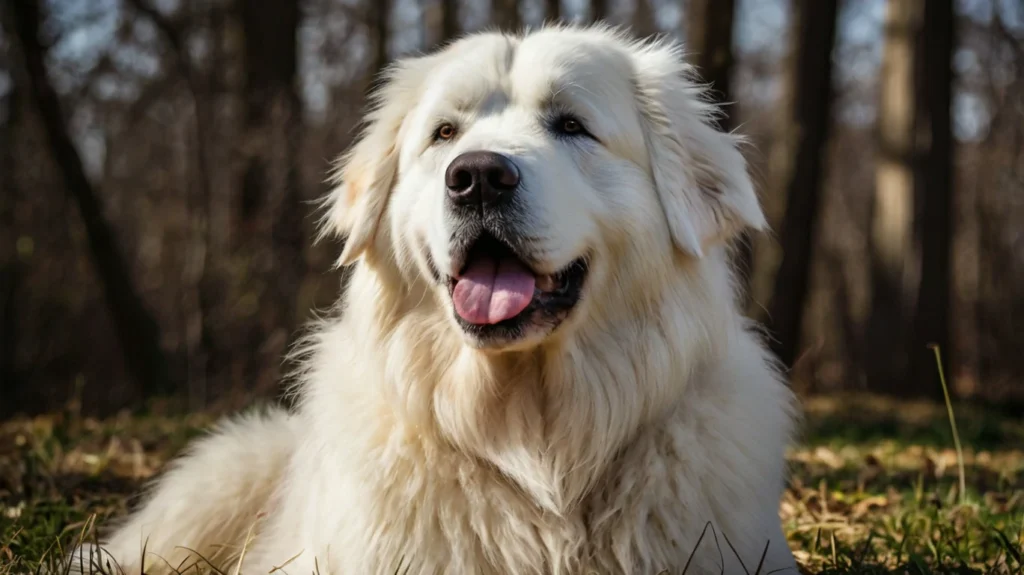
(271,190)
(811,113)
(271,61)
(505,15)
(449,20)
(137,330)
(440,22)
(710,37)
(552,10)
(10,276)
(892,221)
(10,267)
(643,19)
(931,321)
(380,28)
(197,298)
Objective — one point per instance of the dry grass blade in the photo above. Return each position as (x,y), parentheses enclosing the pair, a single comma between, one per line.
(249,536)
(952,424)
(697,545)
(286,563)
(177,571)
(203,558)
(832,541)
(721,556)
(1010,548)
(736,553)
(760,564)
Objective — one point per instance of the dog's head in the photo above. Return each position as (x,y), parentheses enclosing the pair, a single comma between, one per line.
(533,182)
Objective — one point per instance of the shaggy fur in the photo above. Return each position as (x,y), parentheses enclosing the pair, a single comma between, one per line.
(604,445)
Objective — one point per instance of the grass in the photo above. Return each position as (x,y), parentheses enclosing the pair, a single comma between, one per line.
(876,490)
(875,486)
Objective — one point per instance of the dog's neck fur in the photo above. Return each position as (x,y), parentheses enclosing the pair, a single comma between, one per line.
(546,418)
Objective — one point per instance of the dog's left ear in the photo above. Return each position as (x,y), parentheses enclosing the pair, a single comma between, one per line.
(701,177)
(363,177)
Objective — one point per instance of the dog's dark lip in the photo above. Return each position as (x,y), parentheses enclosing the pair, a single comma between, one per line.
(488,243)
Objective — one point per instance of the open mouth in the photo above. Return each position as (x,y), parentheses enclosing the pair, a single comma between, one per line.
(497,295)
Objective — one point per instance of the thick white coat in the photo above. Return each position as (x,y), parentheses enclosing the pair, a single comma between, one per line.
(608,446)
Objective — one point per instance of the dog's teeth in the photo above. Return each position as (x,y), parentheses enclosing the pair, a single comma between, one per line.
(546,283)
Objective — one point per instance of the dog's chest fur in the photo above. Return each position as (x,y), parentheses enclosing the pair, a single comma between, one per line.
(411,503)
(432,460)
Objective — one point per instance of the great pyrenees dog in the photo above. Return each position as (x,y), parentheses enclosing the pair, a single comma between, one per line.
(539,366)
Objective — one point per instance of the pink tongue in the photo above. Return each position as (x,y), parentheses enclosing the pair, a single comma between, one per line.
(492,291)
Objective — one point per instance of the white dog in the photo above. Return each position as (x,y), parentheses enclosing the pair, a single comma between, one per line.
(539,366)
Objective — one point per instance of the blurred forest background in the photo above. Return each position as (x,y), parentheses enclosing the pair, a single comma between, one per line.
(159,160)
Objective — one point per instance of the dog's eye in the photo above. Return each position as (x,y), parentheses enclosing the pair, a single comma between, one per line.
(445,132)
(570,126)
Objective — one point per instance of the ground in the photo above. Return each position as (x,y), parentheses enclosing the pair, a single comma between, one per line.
(875,486)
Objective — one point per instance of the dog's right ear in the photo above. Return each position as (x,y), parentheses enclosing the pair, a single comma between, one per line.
(363,177)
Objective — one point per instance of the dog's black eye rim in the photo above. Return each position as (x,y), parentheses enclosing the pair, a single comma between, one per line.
(570,126)
(444,132)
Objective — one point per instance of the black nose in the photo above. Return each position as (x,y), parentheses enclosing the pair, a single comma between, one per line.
(481,178)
